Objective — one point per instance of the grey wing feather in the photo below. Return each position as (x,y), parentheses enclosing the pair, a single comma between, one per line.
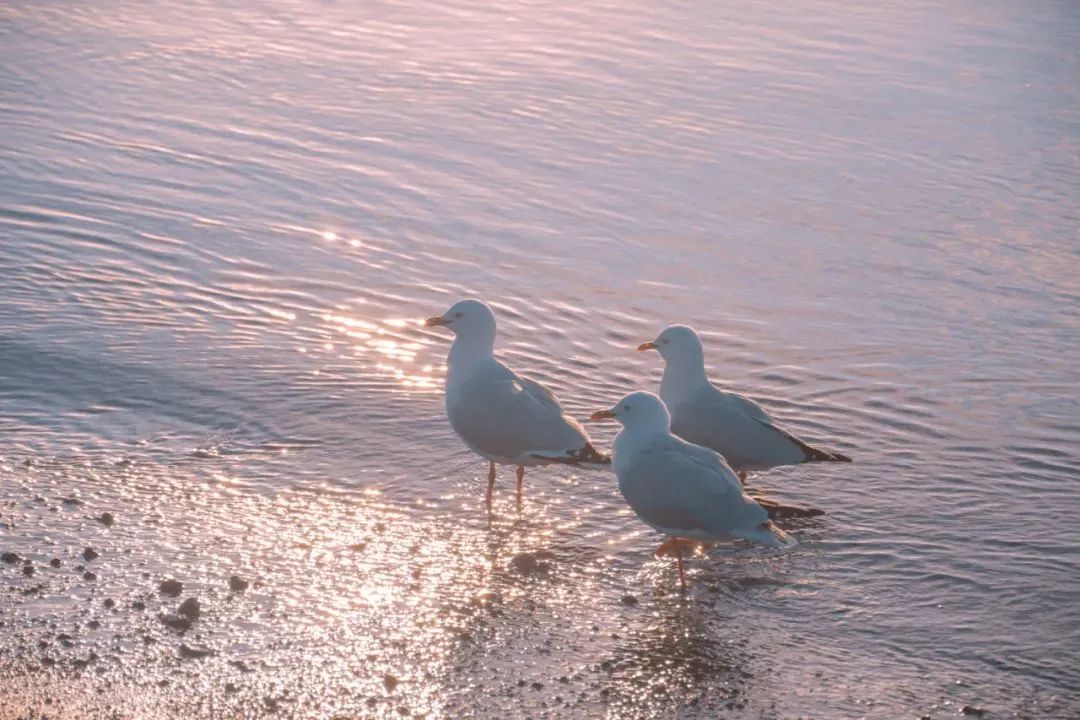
(505,415)
(677,485)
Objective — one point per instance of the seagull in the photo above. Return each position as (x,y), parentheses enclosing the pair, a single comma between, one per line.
(504,417)
(683,490)
(733,425)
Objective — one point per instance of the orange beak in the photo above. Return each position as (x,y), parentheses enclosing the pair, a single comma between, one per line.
(601,415)
(647,346)
(434,322)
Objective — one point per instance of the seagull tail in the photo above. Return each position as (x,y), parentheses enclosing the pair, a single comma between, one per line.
(779,510)
(768,534)
(585,457)
(814,454)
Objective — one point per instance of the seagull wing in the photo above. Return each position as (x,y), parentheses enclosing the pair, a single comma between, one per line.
(503,415)
(677,486)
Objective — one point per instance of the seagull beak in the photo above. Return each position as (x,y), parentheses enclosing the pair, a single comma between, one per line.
(602,415)
(651,345)
(435,322)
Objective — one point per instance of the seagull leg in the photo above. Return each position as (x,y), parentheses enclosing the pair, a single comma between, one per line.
(491,485)
(669,547)
(520,484)
(678,557)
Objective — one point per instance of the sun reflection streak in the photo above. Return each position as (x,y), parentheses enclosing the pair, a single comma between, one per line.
(396,351)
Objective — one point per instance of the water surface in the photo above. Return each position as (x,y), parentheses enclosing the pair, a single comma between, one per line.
(220,226)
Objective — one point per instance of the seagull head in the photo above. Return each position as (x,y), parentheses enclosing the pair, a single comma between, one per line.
(637,410)
(677,344)
(466,318)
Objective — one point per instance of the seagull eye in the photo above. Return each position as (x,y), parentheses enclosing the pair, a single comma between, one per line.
(626,408)
(458,315)
(665,341)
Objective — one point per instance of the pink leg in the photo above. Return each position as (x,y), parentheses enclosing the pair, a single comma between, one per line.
(520,484)
(682,574)
(491,485)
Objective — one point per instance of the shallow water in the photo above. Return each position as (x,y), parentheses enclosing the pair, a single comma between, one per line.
(220,225)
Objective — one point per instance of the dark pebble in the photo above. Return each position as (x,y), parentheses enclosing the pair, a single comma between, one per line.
(389,682)
(28,570)
(241,666)
(357,547)
(138,605)
(538,686)
(230,688)
(194,653)
(106,519)
(190,609)
(90,554)
(972,710)
(72,501)
(629,600)
(171,587)
(110,603)
(176,622)
(88,575)
(238,584)
(55,562)
(529,564)
(48,661)
(93,624)
(10,558)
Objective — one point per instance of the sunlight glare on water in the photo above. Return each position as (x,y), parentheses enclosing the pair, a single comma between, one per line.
(221,228)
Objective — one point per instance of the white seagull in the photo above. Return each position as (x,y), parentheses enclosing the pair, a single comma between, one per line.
(682,490)
(733,425)
(500,415)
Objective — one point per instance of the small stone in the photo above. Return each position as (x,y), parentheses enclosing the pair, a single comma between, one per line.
(48,661)
(238,584)
(138,605)
(629,600)
(358,547)
(90,554)
(972,710)
(176,622)
(55,562)
(190,609)
(529,564)
(110,603)
(230,688)
(171,587)
(71,501)
(89,576)
(93,624)
(106,519)
(10,558)
(538,686)
(389,682)
(28,570)
(194,653)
